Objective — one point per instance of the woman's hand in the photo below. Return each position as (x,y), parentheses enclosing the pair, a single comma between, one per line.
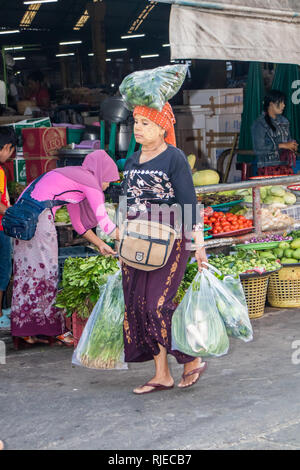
(201,257)
(105,249)
(292,145)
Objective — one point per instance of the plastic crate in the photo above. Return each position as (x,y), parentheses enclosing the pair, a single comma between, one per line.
(73,252)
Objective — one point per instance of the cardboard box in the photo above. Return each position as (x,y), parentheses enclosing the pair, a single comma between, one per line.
(36,166)
(43,141)
(28,124)
(20,170)
(189,117)
(216,101)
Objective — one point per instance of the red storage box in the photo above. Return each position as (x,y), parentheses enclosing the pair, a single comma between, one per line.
(36,166)
(43,141)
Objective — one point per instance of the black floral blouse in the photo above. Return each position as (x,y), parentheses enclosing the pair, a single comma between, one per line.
(166,179)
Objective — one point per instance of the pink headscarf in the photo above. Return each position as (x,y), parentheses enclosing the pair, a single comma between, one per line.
(97,168)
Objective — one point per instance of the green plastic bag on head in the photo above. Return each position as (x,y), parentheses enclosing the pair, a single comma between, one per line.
(197,328)
(154,87)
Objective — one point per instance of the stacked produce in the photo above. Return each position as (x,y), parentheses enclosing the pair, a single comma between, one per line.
(244,262)
(269,195)
(214,199)
(235,264)
(287,251)
(225,222)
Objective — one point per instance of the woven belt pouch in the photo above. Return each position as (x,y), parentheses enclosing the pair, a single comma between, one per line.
(146,245)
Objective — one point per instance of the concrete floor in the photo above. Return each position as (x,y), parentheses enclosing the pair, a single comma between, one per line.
(248,399)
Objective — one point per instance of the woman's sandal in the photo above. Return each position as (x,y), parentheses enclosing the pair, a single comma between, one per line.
(198,371)
(156,388)
(66,339)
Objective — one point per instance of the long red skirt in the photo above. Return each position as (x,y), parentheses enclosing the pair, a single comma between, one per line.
(149,307)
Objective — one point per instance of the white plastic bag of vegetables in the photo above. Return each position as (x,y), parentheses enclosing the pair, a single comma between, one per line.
(154,87)
(231,303)
(197,328)
(101,344)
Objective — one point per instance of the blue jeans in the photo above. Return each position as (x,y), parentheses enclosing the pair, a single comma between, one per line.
(5,260)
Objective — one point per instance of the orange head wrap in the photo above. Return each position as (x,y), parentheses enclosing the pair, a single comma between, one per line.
(164,118)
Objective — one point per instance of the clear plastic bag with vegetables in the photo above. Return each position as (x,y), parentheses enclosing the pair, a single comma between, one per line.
(154,87)
(101,344)
(231,304)
(197,328)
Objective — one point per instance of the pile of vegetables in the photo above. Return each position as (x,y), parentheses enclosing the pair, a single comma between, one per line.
(62,216)
(270,195)
(216,198)
(81,280)
(270,238)
(243,262)
(288,252)
(225,222)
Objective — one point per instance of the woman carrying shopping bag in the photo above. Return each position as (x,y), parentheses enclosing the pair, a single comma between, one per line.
(33,311)
(158,173)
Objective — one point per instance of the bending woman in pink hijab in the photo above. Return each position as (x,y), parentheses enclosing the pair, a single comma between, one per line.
(80,188)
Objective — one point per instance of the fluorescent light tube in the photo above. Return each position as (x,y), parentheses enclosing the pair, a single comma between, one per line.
(33,2)
(132,36)
(19,58)
(69,42)
(165,45)
(13,48)
(65,55)
(7,31)
(149,55)
(116,50)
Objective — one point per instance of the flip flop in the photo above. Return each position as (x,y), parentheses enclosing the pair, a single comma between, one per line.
(199,371)
(62,339)
(156,388)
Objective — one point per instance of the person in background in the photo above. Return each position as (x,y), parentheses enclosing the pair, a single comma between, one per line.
(7,149)
(37,91)
(35,268)
(272,142)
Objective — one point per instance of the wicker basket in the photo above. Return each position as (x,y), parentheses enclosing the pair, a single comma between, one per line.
(284,288)
(255,289)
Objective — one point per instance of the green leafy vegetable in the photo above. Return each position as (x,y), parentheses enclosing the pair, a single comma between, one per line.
(81,280)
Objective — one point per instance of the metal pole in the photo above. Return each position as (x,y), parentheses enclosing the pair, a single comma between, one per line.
(4,74)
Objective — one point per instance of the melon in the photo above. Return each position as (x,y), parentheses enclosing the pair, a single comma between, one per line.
(205,177)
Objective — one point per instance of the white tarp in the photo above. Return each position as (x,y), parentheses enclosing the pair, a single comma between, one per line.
(251,30)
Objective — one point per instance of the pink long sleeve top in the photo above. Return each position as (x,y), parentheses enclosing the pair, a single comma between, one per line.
(54,185)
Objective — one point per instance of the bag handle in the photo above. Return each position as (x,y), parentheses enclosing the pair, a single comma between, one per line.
(212,268)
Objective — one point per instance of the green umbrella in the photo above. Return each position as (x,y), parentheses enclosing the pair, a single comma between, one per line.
(252,108)
(285,75)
